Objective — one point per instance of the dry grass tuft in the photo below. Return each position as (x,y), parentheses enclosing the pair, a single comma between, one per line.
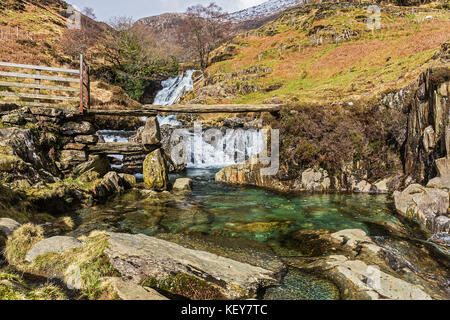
(21,241)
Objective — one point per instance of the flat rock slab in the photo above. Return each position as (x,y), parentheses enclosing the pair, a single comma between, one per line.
(56,244)
(140,257)
(7,226)
(126,290)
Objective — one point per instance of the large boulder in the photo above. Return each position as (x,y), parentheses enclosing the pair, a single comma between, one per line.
(96,163)
(156,171)
(182,185)
(424,205)
(359,280)
(57,244)
(23,144)
(112,183)
(151,135)
(140,257)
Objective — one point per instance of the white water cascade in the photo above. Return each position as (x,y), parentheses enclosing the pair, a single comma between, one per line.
(231,146)
(174,88)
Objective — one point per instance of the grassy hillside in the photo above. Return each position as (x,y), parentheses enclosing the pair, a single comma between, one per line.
(42,29)
(324,53)
(45,20)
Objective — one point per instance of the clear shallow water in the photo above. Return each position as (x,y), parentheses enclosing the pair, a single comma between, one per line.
(255,224)
(249,213)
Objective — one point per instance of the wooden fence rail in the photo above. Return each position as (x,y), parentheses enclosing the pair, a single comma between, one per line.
(59,83)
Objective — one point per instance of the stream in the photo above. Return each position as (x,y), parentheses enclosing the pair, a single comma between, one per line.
(251,221)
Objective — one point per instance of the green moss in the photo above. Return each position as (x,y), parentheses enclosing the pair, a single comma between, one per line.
(90,259)
(186,286)
(8,293)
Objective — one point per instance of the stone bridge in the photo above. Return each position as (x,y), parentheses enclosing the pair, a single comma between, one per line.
(77,132)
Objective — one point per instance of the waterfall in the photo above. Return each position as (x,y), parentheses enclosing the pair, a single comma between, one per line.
(230,147)
(174,88)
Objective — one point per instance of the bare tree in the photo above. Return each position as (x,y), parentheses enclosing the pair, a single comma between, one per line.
(89,12)
(206,28)
(78,41)
(133,58)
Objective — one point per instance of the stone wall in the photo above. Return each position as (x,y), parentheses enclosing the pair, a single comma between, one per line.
(70,134)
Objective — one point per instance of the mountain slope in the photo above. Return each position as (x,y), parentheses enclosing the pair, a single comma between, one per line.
(324,53)
(267,8)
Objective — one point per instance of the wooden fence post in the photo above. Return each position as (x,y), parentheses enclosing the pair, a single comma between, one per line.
(81,83)
(38,82)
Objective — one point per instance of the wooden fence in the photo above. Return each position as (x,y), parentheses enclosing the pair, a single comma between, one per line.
(28,93)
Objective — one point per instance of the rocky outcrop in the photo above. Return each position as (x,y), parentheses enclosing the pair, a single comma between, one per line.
(360,281)
(155,171)
(428,114)
(140,257)
(365,269)
(57,244)
(77,128)
(426,206)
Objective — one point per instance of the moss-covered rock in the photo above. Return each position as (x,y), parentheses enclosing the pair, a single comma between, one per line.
(83,268)
(156,171)
(96,163)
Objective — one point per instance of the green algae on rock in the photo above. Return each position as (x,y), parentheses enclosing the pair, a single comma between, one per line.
(156,171)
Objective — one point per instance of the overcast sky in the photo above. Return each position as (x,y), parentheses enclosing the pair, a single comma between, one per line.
(105,9)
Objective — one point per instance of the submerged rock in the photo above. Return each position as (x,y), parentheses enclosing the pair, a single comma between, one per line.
(140,257)
(319,242)
(303,286)
(156,172)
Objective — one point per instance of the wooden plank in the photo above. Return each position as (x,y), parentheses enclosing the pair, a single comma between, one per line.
(41,77)
(37,104)
(42,68)
(36,96)
(122,113)
(36,86)
(217,108)
(125,148)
